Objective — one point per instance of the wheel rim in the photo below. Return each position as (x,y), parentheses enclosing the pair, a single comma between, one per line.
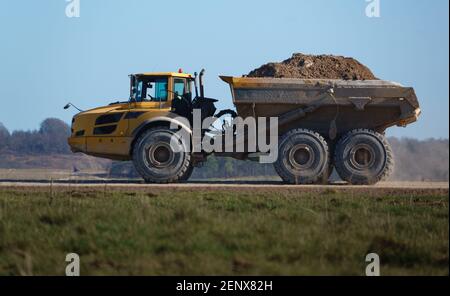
(160,155)
(362,156)
(301,156)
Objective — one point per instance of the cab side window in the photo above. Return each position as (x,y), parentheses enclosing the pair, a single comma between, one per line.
(157,90)
(138,91)
(182,87)
(179,86)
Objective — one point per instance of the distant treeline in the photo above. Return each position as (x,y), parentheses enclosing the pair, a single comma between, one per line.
(420,160)
(51,138)
(416,160)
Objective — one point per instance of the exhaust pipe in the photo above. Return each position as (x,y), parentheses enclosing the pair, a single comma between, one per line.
(202,91)
(195,84)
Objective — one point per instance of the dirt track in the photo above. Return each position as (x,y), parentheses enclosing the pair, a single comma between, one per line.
(391,188)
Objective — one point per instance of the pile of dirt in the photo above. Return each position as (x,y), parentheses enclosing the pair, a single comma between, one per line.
(315,67)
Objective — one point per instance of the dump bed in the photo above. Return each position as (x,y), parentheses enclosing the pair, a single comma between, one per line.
(314,103)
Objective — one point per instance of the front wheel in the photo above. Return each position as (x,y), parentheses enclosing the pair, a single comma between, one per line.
(160,160)
(303,157)
(363,157)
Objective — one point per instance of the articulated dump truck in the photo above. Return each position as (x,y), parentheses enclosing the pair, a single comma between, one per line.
(322,124)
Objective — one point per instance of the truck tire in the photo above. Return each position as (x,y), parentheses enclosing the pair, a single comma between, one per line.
(303,157)
(329,171)
(156,161)
(363,157)
(188,174)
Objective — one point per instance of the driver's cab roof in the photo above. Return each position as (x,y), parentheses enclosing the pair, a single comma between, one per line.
(169,74)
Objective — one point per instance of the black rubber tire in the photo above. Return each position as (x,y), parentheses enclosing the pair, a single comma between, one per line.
(378,163)
(188,174)
(317,157)
(326,177)
(175,169)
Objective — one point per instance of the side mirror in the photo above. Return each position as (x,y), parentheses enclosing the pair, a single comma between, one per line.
(70,104)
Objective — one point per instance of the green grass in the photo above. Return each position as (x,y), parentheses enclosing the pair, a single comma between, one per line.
(228,233)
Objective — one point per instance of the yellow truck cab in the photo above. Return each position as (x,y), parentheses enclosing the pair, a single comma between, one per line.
(109,131)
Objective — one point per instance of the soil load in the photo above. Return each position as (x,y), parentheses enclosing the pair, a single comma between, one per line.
(315,67)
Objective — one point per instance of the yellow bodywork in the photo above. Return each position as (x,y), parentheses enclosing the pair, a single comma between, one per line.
(126,117)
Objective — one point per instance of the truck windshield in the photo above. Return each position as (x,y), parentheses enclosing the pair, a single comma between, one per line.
(150,89)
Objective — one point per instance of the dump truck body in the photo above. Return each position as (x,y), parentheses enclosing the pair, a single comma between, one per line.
(370,104)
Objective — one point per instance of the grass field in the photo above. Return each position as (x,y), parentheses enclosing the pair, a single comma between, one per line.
(175,232)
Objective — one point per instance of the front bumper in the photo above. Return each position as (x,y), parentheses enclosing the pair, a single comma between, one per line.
(77,144)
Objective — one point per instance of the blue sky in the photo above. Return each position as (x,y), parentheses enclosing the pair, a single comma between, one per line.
(48,59)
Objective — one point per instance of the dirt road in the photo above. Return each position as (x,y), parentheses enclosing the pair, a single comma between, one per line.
(251,186)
